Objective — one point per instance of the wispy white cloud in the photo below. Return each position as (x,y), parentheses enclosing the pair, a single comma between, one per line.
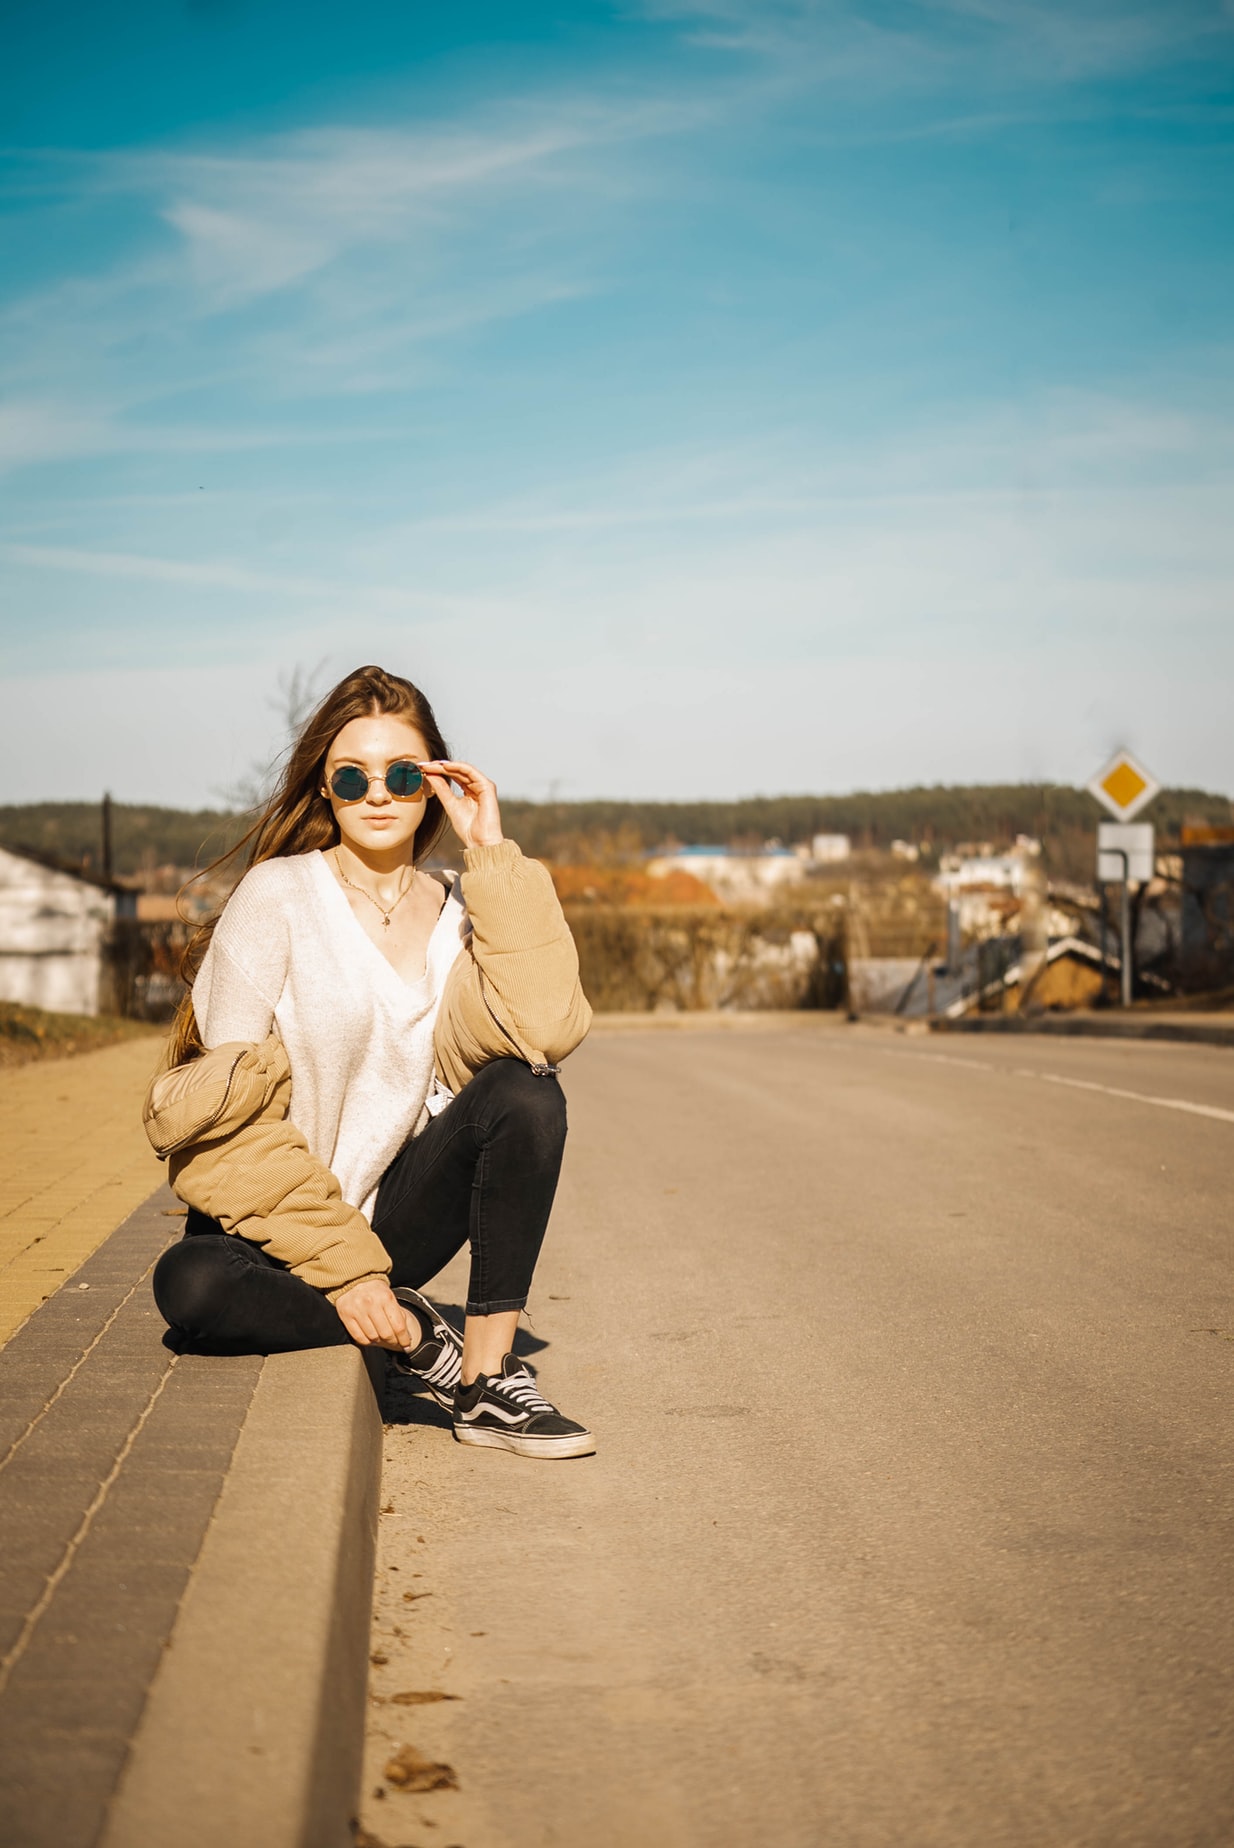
(1015,42)
(234,257)
(911,601)
(529,542)
(374,247)
(1090,446)
(37,431)
(1075,39)
(369,250)
(286,207)
(251,226)
(354,593)
(189,574)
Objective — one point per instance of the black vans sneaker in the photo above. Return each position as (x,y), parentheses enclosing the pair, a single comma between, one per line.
(506,1412)
(437,1364)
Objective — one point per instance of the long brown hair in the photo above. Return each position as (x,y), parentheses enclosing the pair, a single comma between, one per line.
(296,820)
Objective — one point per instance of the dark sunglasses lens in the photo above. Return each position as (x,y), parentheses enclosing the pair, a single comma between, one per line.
(403,779)
(349,783)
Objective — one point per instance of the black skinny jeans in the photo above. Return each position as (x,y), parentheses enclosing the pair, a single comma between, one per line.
(485,1170)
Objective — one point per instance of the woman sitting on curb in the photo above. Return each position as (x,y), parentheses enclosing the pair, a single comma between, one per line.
(364,1077)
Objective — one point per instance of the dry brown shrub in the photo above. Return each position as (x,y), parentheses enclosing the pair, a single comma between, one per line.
(644,959)
(627,885)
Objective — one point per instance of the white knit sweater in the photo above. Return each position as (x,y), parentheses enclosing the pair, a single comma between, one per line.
(288,956)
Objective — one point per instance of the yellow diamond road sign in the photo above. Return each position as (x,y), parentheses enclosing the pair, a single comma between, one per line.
(1124,786)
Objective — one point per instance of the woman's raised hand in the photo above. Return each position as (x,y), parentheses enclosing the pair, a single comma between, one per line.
(473,813)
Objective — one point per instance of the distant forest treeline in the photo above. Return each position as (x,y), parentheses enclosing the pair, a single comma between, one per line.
(141,836)
(1064,819)
(937,818)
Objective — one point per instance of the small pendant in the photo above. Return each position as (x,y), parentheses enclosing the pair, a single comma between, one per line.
(385,921)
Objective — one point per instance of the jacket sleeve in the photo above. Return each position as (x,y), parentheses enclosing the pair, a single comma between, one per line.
(221,1123)
(263,1183)
(514,990)
(211,1096)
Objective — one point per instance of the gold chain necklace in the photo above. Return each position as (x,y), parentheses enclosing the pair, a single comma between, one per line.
(385,915)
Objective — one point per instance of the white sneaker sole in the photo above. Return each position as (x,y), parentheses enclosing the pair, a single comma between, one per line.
(583,1445)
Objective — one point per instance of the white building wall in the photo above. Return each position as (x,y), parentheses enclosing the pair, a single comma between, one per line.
(876,984)
(52,928)
(736,878)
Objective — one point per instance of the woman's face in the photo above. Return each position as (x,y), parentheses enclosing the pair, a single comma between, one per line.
(377,822)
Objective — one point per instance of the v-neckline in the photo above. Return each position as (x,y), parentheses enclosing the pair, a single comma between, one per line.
(353,920)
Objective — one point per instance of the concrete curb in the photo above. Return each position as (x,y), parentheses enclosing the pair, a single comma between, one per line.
(254,1726)
(722,1020)
(1203,1032)
(1098,1026)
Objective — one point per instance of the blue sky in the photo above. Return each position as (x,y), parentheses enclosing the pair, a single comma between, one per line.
(694,396)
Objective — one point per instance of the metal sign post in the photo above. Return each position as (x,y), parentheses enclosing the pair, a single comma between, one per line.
(1124,851)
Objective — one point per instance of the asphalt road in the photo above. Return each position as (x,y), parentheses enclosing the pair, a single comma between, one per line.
(910,1364)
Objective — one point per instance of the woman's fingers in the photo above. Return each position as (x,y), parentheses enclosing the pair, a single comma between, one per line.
(392,1326)
(472,807)
(370,1331)
(373,1316)
(444,790)
(387,1320)
(454,795)
(472,781)
(454,766)
(355,1327)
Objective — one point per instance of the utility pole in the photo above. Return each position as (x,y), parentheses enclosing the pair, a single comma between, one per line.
(106,835)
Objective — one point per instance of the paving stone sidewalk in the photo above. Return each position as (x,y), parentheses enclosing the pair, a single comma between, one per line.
(170,1669)
(113,1453)
(74,1160)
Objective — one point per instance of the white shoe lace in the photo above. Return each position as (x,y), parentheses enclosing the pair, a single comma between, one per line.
(446,1365)
(445,1369)
(522,1389)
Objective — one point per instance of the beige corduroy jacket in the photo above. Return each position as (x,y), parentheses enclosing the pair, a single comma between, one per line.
(221,1120)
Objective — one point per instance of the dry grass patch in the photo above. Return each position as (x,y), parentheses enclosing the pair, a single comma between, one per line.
(30,1033)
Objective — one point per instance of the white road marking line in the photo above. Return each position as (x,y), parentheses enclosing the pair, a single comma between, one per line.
(1213,1111)
(1138,1097)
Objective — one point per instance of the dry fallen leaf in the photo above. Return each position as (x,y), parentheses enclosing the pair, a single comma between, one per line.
(420,1697)
(410,1770)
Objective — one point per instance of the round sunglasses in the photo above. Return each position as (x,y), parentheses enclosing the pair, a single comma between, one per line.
(402,781)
